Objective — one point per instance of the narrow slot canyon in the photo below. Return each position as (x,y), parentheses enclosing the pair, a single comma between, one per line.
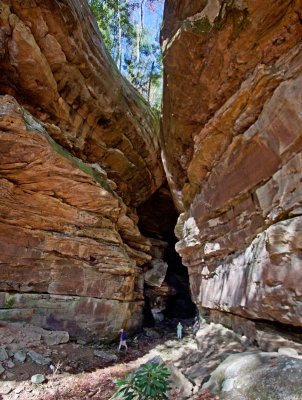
(167,288)
(167,204)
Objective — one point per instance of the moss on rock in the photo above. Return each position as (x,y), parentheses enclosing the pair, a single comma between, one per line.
(33,125)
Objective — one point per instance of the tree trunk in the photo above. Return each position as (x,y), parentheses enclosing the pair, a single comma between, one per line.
(150,81)
(119,36)
(140,27)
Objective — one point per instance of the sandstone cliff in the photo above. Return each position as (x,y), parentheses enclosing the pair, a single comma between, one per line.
(80,160)
(54,63)
(232,110)
(78,151)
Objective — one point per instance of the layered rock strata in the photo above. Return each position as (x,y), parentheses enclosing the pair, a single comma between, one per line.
(79,151)
(66,260)
(232,103)
(55,64)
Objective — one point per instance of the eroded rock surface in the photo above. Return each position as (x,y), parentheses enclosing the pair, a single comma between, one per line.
(55,64)
(79,150)
(256,375)
(65,263)
(232,103)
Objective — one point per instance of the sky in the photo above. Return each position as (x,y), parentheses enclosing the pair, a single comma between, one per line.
(153,19)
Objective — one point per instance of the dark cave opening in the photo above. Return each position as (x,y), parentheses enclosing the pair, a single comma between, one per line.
(172,299)
(148,319)
(180,304)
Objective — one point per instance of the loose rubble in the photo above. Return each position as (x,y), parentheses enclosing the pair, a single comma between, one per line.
(73,371)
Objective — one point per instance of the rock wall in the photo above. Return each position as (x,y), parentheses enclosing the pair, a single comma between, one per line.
(54,63)
(232,110)
(65,262)
(78,152)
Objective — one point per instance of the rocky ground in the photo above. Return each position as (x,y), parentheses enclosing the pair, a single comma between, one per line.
(78,371)
(89,369)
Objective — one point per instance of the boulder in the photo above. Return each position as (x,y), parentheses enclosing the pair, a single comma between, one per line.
(38,378)
(152,333)
(38,358)
(155,276)
(157,314)
(20,356)
(105,355)
(184,386)
(155,360)
(9,364)
(288,351)
(257,376)
(270,340)
(55,337)
(3,354)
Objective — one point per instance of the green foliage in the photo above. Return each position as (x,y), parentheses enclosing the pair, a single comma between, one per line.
(202,25)
(112,15)
(135,50)
(145,74)
(33,124)
(146,383)
(81,165)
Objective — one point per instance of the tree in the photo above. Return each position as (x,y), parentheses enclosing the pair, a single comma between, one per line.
(135,51)
(146,74)
(113,18)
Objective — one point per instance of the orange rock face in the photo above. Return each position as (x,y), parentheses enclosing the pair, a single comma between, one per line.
(79,151)
(55,64)
(65,260)
(232,110)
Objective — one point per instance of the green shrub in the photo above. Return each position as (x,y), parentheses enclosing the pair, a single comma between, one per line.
(146,383)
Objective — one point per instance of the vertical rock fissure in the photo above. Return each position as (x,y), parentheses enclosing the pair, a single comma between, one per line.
(167,288)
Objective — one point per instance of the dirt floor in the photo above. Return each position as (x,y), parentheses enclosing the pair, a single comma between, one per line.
(79,371)
(75,372)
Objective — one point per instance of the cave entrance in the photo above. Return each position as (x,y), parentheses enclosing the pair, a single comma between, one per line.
(167,289)
(179,305)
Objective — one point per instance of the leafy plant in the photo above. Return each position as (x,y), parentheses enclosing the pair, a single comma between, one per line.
(146,383)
